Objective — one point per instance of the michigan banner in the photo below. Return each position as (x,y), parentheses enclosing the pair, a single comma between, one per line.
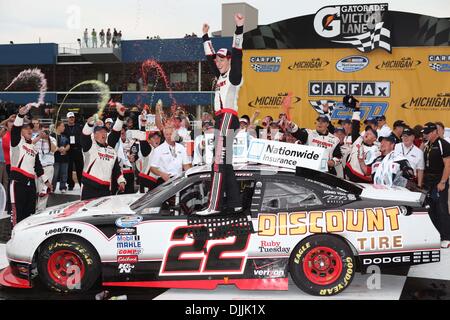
(412,84)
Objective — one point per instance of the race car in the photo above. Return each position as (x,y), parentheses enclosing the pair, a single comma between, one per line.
(313,226)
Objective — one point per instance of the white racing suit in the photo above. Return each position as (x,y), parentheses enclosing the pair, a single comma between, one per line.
(226,125)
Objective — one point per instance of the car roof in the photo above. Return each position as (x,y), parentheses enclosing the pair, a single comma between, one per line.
(206,168)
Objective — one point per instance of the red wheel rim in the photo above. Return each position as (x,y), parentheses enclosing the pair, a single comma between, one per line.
(322,266)
(61,267)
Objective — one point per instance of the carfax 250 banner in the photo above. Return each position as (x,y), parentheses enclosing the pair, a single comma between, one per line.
(412,84)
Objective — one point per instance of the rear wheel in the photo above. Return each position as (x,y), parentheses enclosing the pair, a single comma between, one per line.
(322,265)
(68,265)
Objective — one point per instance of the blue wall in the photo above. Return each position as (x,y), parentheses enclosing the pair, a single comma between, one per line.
(186,98)
(169,50)
(33,53)
(26,97)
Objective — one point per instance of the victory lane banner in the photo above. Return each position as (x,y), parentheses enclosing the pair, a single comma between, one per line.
(286,155)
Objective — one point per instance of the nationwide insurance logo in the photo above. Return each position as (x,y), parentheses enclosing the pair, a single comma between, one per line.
(405,63)
(275,101)
(266,64)
(314,64)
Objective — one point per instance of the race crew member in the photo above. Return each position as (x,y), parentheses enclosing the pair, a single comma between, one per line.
(201,143)
(100,161)
(126,161)
(227,68)
(363,151)
(320,137)
(383,129)
(147,179)
(25,168)
(389,169)
(75,154)
(397,132)
(436,175)
(412,153)
(170,158)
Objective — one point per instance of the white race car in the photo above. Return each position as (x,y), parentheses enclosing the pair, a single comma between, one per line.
(318,228)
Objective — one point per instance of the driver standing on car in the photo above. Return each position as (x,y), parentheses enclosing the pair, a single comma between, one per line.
(100,159)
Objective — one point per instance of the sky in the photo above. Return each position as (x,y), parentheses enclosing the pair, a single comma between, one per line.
(63,21)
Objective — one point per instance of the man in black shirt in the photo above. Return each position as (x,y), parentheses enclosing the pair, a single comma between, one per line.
(397,132)
(75,155)
(436,174)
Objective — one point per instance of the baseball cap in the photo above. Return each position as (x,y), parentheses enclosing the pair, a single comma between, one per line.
(339,129)
(399,123)
(408,132)
(224,53)
(370,120)
(345,121)
(389,138)
(98,128)
(350,101)
(243,120)
(369,128)
(27,123)
(323,118)
(109,120)
(429,127)
(70,114)
(207,124)
(381,118)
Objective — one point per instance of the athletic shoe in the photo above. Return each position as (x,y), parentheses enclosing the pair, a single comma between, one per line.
(206,212)
(445,244)
(63,191)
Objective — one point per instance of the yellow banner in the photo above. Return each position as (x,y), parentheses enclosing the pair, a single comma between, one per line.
(412,84)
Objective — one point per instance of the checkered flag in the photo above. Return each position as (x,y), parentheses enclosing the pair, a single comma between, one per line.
(256,67)
(435,66)
(318,106)
(380,37)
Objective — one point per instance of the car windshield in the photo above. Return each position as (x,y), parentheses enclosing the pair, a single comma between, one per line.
(143,202)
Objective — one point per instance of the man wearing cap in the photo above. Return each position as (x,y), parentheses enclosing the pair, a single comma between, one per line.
(397,132)
(320,137)
(412,153)
(25,168)
(147,179)
(101,165)
(436,175)
(383,129)
(227,68)
(108,124)
(389,169)
(201,143)
(73,132)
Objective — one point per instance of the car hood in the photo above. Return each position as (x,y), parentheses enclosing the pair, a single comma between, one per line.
(400,195)
(112,205)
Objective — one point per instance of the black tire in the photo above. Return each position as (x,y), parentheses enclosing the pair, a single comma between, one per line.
(75,248)
(329,250)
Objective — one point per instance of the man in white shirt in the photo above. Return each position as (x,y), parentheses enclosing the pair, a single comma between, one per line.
(45,146)
(413,154)
(170,158)
(383,129)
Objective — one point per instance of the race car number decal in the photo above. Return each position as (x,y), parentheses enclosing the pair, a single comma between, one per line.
(187,256)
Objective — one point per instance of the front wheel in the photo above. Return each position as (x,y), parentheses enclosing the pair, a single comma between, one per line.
(322,265)
(68,265)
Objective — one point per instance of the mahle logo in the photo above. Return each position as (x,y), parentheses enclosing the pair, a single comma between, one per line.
(311,64)
(405,63)
(272,101)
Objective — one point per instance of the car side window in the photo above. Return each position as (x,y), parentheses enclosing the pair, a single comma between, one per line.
(288,195)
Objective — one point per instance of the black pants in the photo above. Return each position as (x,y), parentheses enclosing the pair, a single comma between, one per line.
(439,210)
(223,178)
(75,157)
(88,191)
(8,207)
(23,200)
(147,183)
(129,187)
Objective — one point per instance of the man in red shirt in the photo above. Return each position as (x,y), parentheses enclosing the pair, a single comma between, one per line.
(6,145)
